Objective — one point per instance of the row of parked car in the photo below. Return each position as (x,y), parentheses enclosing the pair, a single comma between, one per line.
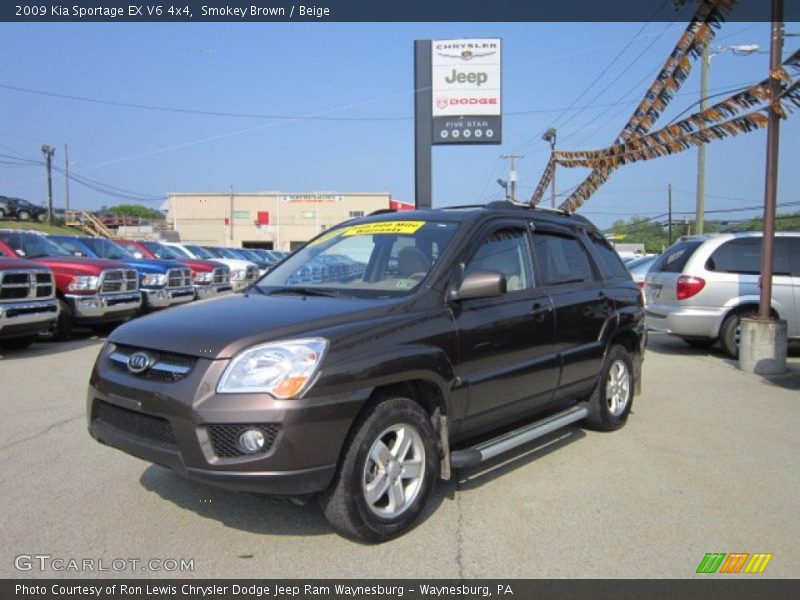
(48,284)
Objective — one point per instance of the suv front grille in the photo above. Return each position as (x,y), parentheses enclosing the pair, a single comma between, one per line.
(139,424)
(115,281)
(222,275)
(165,366)
(25,285)
(178,278)
(224,438)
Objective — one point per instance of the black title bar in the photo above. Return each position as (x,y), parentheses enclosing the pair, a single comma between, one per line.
(375,11)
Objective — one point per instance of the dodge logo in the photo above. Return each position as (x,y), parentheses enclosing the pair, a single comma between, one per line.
(139,362)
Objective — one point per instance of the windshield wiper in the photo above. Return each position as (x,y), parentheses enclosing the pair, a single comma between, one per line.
(303,291)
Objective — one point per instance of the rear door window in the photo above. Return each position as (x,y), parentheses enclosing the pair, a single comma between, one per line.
(561,259)
(675,258)
(743,256)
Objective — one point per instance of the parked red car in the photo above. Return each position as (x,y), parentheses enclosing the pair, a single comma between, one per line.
(27,300)
(210,278)
(89,291)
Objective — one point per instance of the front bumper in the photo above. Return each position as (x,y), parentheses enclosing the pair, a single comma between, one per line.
(686,321)
(124,410)
(239,284)
(104,307)
(164,297)
(26,318)
(212,290)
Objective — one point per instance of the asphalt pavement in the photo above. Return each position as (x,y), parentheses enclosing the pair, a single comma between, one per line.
(709,462)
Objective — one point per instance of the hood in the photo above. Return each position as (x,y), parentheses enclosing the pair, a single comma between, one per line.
(219,328)
(79,264)
(152,265)
(236,263)
(7,263)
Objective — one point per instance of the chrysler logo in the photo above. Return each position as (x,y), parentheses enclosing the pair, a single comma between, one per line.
(139,362)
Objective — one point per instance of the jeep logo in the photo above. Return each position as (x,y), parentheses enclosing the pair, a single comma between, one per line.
(139,362)
(476,78)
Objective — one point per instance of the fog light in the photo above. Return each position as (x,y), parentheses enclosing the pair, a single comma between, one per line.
(251,440)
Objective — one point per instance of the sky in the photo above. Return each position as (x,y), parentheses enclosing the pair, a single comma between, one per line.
(362,73)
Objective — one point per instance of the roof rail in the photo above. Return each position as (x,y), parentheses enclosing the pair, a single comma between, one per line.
(500,204)
(382,211)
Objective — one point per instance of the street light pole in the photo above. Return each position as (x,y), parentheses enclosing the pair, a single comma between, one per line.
(700,207)
(705,66)
(550,136)
(48,152)
(771,184)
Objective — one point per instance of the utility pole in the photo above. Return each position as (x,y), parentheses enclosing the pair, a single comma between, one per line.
(669,212)
(48,152)
(512,173)
(700,208)
(66,180)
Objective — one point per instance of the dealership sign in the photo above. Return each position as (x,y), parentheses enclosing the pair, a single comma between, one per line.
(466,87)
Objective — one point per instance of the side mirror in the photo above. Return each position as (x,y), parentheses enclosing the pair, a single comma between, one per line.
(481,284)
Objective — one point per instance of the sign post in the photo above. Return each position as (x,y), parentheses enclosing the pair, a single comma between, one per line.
(457,100)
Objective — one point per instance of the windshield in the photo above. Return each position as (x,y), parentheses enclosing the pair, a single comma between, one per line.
(375,259)
(249,255)
(160,251)
(200,252)
(107,249)
(32,245)
(225,253)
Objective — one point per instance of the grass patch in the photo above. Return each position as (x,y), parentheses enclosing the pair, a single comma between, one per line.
(43,227)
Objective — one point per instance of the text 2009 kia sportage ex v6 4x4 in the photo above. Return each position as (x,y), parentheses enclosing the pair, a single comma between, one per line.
(440,340)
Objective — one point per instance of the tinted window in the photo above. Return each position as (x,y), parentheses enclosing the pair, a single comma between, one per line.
(72,247)
(675,258)
(505,251)
(790,246)
(561,259)
(609,257)
(744,256)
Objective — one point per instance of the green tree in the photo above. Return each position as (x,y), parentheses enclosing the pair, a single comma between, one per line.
(135,210)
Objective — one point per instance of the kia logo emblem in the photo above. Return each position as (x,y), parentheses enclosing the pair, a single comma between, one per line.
(139,362)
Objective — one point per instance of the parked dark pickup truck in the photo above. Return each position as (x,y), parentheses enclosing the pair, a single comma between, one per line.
(458,335)
(27,300)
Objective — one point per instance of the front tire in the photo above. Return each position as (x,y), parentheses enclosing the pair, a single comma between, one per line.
(62,327)
(387,473)
(24,215)
(612,399)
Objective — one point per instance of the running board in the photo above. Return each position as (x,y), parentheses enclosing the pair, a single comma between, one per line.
(469,457)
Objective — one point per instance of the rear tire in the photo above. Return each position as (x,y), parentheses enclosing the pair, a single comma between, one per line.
(2,214)
(387,473)
(612,399)
(729,332)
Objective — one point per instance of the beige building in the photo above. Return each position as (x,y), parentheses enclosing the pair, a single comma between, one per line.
(272,220)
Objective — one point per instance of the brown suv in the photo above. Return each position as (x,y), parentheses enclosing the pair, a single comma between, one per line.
(384,353)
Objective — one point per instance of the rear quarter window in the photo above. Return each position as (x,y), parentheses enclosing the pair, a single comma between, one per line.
(611,262)
(743,256)
(675,258)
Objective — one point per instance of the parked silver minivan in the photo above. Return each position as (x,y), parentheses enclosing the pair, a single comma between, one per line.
(701,287)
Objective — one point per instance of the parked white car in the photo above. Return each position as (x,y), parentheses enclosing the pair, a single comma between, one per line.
(243,272)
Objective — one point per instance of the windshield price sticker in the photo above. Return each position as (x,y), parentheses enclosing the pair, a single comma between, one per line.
(385,227)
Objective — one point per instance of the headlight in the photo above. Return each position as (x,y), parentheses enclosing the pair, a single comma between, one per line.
(282,369)
(238,274)
(153,280)
(83,283)
(207,277)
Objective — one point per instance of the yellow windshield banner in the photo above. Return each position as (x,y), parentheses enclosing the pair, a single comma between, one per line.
(385,227)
